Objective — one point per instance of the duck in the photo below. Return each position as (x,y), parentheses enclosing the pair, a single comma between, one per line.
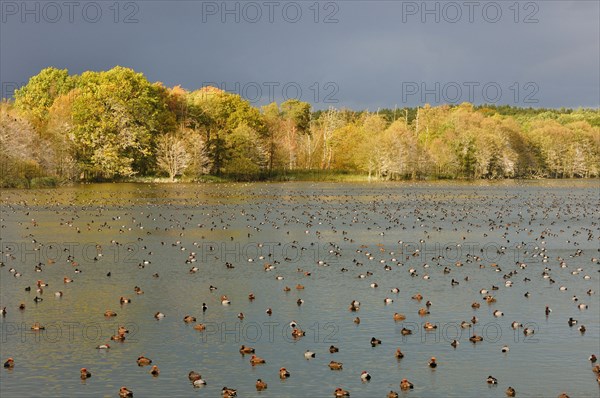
(399,354)
(432,363)
(406,385)
(333,349)
(475,305)
(510,392)
(392,394)
(9,364)
(581,329)
(492,380)
(200,327)
(505,348)
(227,392)
(3,311)
(154,371)
(454,343)
(298,333)
(67,280)
(124,300)
(365,376)
(193,375)
(260,385)
(465,325)
(333,365)
(387,300)
(118,337)
(592,358)
(548,311)
(103,347)
(395,290)
(423,311)
(254,360)
(199,382)
(204,307)
(375,341)
(189,319)
(309,354)
(241,316)
(399,317)
(124,392)
(475,338)
(582,306)
(528,331)
(159,315)
(339,392)
(246,350)
(109,313)
(357,320)
(225,300)
(417,297)
(405,331)
(251,296)
(143,361)
(572,321)
(515,325)
(498,313)
(58,294)
(429,326)
(283,373)
(269,311)
(36,326)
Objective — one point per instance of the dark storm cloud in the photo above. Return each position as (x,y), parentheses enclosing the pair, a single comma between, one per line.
(360,54)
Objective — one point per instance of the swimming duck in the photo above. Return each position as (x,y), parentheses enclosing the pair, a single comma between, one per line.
(429,326)
(475,305)
(357,320)
(593,358)
(143,361)
(200,327)
(399,353)
(228,392)
(10,363)
(387,300)
(405,331)
(528,331)
(492,380)
(298,333)
(498,313)
(154,371)
(333,365)
(193,375)
(510,392)
(118,337)
(103,347)
(339,392)
(309,354)
(199,382)
(36,326)
(254,360)
(241,316)
(475,338)
(365,376)
(548,310)
(417,297)
(333,349)
(395,290)
(189,319)
(159,315)
(465,325)
(109,313)
(283,373)
(572,321)
(581,329)
(375,341)
(124,300)
(260,385)
(225,300)
(204,307)
(406,385)
(246,350)
(454,343)
(124,392)
(505,348)
(423,311)
(251,296)
(432,363)
(399,317)
(392,394)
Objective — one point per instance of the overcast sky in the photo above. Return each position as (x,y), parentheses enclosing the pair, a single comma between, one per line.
(357,54)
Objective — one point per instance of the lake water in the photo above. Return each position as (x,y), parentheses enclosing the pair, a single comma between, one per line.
(316,228)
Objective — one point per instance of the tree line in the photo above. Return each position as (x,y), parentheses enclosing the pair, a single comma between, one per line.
(116,125)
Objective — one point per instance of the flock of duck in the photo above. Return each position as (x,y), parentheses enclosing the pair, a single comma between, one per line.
(319,216)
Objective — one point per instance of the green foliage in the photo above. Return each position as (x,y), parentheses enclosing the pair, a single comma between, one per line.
(118,125)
